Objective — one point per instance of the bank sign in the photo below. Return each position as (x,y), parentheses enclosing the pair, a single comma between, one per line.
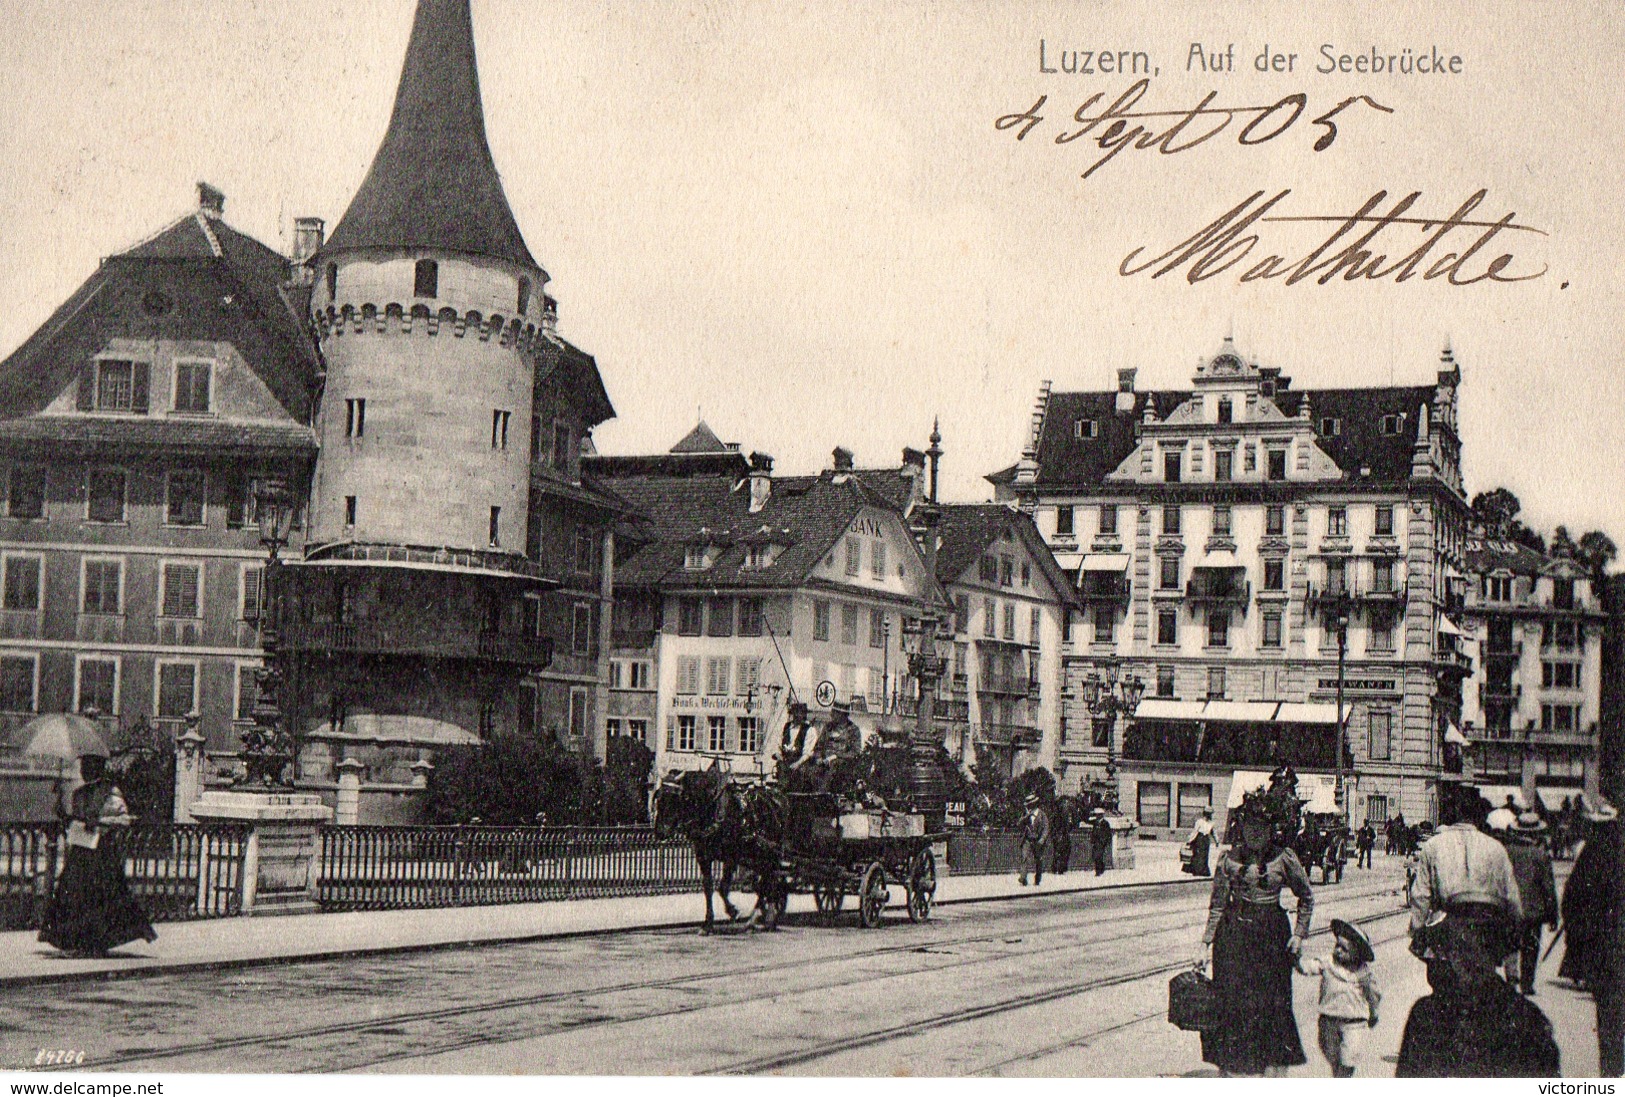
(713,704)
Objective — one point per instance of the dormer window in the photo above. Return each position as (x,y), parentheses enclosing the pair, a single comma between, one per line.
(116,386)
(1087,428)
(1330,427)
(697,557)
(426,279)
(192,387)
(1391,424)
(1172,466)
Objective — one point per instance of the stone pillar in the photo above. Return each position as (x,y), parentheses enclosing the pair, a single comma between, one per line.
(420,773)
(349,798)
(282,860)
(190,764)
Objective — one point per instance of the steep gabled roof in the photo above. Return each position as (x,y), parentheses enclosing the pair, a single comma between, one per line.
(806,515)
(433,184)
(702,439)
(198,278)
(1489,555)
(969,529)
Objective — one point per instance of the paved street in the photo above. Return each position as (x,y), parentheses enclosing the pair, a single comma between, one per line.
(1059,985)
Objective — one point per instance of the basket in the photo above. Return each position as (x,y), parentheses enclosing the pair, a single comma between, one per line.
(1186,855)
(1192,1002)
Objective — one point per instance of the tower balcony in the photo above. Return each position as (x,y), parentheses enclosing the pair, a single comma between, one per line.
(364,638)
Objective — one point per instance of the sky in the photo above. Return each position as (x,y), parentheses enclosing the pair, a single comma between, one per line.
(801,222)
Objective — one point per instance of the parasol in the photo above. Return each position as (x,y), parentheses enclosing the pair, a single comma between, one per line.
(63,737)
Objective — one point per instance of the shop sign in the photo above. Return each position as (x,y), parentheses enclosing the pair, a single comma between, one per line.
(1361,685)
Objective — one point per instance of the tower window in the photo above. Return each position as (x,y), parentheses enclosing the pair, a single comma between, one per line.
(524,295)
(499,429)
(349,510)
(332,280)
(1226,411)
(496,527)
(426,279)
(355,417)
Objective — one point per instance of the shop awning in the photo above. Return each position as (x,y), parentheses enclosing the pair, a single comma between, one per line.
(1552,798)
(1070,561)
(1318,790)
(1448,627)
(1453,734)
(1311,712)
(1240,712)
(1497,795)
(1105,561)
(377,728)
(1155,708)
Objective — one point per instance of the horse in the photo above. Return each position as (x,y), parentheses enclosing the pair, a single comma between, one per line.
(725,829)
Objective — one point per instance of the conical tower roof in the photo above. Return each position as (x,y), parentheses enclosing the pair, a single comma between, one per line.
(433,184)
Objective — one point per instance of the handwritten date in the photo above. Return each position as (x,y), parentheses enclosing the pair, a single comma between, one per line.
(1119,127)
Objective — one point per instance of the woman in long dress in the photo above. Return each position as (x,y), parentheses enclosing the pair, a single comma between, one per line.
(1254,948)
(1201,844)
(92,910)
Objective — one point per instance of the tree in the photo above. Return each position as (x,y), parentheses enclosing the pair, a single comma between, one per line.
(1596,550)
(512,779)
(143,766)
(627,763)
(1496,510)
(1563,544)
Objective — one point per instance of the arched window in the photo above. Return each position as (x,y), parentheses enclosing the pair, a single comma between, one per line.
(524,295)
(332,280)
(426,279)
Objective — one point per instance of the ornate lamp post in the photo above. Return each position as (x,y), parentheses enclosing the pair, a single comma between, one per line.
(1336,609)
(1110,697)
(269,750)
(926,664)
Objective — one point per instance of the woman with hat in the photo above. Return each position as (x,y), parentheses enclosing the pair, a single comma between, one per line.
(92,910)
(1254,946)
(1537,891)
(1200,843)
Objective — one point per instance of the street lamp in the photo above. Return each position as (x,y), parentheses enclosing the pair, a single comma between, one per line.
(1336,609)
(268,748)
(926,665)
(1108,696)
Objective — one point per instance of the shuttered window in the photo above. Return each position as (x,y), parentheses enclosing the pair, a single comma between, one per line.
(105,489)
(182,591)
(98,686)
(184,496)
(25,494)
(177,690)
(192,384)
(22,583)
(103,583)
(253,593)
(688,674)
(17,684)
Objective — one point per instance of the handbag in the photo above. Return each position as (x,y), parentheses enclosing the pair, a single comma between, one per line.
(1186,855)
(1192,1002)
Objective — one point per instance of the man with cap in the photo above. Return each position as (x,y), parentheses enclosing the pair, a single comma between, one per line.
(1467,873)
(1034,839)
(1348,995)
(1473,1025)
(800,737)
(837,748)
(1537,892)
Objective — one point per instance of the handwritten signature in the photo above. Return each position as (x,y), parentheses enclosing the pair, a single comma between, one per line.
(1118,127)
(1350,252)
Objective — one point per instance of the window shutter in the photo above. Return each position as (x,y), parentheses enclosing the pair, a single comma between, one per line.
(671,733)
(87,386)
(252,578)
(140,385)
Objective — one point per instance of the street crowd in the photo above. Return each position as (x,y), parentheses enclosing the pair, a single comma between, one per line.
(1482,894)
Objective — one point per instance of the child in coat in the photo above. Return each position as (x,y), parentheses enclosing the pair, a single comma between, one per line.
(1348,996)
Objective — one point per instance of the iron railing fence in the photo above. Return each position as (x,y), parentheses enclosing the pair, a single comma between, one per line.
(381,868)
(176,871)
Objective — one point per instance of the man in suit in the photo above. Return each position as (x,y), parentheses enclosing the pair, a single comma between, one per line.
(1100,837)
(1034,840)
(1537,891)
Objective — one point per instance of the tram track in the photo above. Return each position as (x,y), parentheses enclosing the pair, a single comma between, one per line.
(890,1034)
(398,1024)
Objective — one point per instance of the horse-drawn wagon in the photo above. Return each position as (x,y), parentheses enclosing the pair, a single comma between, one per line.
(860,853)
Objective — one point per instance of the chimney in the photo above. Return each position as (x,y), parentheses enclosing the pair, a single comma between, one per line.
(761,481)
(1269,380)
(211,201)
(1125,379)
(913,462)
(308,236)
(842,458)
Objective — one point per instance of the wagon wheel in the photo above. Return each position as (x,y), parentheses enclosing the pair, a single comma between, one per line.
(829,897)
(873,896)
(922,885)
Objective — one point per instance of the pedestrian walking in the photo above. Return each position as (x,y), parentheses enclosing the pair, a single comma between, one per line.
(1365,844)
(92,911)
(1537,892)
(1100,840)
(1590,902)
(1349,994)
(1060,835)
(1466,873)
(1200,845)
(1253,944)
(1034,840)
(1394,826)
(1473,1025)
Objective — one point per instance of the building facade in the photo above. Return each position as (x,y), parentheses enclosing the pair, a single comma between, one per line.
(1531,712)
(738,592)
(450,574)
(1011,601)
(138,422)
(1251,552)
